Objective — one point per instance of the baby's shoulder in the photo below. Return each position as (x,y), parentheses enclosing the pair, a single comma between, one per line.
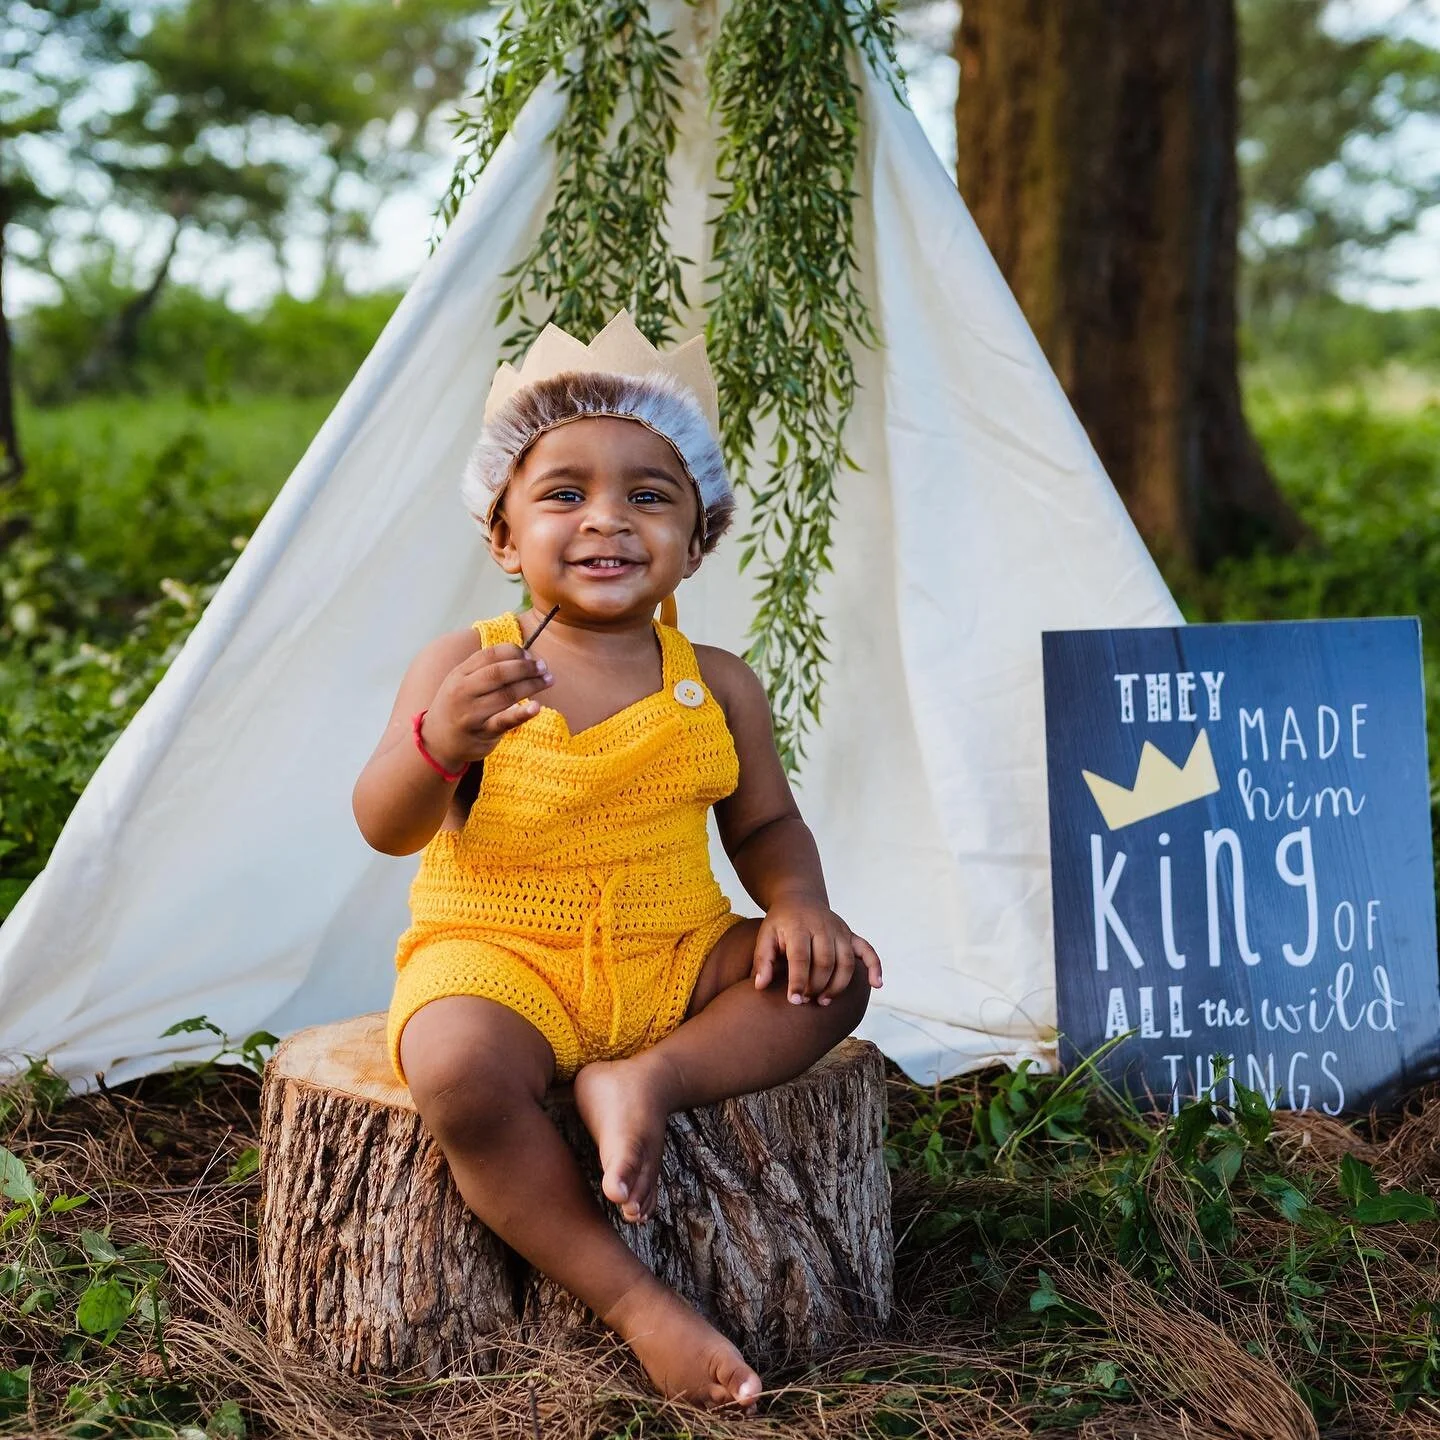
(438,658)
(457,645)
(733,683)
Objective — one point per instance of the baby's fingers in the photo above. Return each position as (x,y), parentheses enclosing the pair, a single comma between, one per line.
(489,655)
(507,681)
(798,962)
(824,956)
(767,952)
(510,717)
(865,953)
(840,976)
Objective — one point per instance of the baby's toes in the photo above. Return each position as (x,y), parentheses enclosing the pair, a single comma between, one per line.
(735,1382)
(642,1196)
(645,1208)
(622,1179)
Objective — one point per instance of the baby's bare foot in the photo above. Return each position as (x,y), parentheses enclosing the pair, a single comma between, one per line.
(622,1103)
(686,1357)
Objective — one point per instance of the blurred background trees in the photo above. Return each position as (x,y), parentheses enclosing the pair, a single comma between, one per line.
(1104,147)
(1096,145)
(45,54)
(124,127)
(1324,188)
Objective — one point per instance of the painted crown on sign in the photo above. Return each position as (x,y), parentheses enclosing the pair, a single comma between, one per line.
(1160,784)
(619,349)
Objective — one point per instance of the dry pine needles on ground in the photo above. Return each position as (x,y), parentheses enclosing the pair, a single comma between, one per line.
(1063,1267)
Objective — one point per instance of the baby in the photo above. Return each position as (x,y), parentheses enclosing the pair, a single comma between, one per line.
(566,924)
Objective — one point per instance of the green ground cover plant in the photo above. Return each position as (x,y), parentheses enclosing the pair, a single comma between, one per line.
(1065,1265)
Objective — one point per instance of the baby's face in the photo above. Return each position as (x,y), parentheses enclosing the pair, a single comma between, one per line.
(599,490)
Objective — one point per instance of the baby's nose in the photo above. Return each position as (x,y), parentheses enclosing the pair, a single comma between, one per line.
(606,514)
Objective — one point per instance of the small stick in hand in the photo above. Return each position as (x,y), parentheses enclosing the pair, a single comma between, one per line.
(540,627)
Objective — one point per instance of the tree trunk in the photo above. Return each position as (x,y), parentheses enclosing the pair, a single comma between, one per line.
(120,340)
(1096,145)
(773,1217)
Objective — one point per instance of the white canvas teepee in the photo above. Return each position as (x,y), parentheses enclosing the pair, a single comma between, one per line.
(213,866)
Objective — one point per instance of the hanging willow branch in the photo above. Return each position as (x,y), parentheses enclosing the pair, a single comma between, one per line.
(602,247)
(788,309)
(787,305)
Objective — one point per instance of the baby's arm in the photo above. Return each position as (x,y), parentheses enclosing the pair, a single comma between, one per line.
(774,853)
(471,696)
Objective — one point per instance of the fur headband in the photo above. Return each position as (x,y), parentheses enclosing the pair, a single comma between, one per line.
(657,401)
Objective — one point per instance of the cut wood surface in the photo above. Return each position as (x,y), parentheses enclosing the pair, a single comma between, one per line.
(773,1215)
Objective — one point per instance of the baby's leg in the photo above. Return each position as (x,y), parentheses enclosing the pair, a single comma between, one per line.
(735,1039)
(478,1073)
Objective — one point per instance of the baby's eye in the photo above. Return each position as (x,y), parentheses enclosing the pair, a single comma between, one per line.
(568,493)
(647,497)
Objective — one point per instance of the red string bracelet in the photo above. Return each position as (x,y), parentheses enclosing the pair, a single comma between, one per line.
(416,721)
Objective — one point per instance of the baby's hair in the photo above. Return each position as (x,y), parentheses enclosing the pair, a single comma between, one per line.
(656,401)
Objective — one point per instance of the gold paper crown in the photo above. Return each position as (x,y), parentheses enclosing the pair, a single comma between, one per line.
(619,349)
(1160,785)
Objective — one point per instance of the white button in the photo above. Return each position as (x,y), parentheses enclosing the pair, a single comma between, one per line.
(690,693)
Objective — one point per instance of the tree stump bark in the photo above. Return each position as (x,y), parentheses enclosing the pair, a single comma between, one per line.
(773,1216)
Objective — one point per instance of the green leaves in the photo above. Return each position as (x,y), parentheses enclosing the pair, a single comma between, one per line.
(46,1270)
(250,1052)
(192,1026)
(602,246)
(1357,1180)
(1290,1202)
(1370,1206)
(1393,1206)
(247,1163)
(14,1391)
(227,1423)
(15,1181)
(104,1308)
(1000,1127)
(1045,1296)
(787,310)
(97,1247)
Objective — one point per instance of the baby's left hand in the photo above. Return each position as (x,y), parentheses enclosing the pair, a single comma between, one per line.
(819,949)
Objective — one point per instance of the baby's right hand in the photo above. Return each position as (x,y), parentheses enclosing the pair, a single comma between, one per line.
(484,696)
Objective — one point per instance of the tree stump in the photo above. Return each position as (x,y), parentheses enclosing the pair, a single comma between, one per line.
(773,1216)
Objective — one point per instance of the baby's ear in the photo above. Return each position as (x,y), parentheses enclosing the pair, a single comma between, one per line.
(502,545)
(694,553)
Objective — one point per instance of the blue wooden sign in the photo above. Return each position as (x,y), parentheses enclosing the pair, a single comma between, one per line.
(1241,858)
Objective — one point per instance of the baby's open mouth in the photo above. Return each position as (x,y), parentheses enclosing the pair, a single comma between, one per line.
(607,563)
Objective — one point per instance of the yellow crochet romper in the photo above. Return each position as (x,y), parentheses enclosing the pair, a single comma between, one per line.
(579,892)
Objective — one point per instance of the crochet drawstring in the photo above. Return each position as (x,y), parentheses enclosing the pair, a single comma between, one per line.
(597,948)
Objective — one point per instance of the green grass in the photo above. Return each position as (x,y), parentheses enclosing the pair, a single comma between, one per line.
(137,509)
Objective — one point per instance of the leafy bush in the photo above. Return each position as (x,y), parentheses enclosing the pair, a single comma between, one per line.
(1328,341)
(1367,483)
(198,345)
